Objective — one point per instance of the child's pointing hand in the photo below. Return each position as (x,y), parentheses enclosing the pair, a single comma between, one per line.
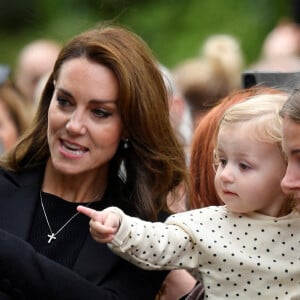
(103,224)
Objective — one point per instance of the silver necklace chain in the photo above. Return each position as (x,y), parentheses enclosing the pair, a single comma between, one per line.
(53,235)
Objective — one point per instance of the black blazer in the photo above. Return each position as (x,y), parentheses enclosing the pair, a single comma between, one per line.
(26,274)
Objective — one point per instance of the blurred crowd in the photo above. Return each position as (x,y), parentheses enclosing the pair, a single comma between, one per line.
(196,84)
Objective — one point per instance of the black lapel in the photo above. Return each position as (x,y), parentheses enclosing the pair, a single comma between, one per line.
(20,193)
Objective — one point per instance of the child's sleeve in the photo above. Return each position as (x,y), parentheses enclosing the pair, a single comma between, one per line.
(154,245)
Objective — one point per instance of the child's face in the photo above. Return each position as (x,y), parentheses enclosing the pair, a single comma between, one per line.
(291,146)
(249,172)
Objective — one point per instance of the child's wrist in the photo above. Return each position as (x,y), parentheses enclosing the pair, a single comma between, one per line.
(123,230)
(118,219)
(118,213)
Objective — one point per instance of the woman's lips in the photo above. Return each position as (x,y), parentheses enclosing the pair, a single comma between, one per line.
(73,149)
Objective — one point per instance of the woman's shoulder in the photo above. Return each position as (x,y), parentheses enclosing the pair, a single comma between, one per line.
(23,177)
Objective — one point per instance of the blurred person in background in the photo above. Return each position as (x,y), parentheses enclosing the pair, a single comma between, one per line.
(280,51)
(14,119)
(179,110)
(34,60)
(283,40)
(205,79)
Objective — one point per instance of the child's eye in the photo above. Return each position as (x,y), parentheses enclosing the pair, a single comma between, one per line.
(222,162)
(244,166)
(219,163)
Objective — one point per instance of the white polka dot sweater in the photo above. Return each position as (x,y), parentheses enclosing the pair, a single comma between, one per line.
(236,256)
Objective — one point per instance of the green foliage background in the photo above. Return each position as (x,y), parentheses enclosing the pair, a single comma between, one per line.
(174,29)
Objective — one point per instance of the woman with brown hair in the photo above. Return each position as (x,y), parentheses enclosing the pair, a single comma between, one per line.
(101,136)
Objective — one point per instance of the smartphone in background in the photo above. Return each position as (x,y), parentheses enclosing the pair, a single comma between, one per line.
(279,80)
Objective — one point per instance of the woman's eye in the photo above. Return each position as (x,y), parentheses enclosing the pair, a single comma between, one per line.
(101,113)
(63,101)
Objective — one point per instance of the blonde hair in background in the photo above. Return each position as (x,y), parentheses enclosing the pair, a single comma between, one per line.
(204,80)
(225,50)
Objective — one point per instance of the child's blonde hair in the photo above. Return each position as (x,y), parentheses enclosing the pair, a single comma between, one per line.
(263,113)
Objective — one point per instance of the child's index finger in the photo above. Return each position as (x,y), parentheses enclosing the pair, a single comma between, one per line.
(89,212)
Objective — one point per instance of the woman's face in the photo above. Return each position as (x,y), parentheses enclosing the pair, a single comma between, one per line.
(84,123)
(8,129)
(291,147)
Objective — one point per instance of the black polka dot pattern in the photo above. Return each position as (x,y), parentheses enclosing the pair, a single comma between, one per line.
(236,256)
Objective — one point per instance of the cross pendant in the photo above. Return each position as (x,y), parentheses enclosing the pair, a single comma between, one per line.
(51,237)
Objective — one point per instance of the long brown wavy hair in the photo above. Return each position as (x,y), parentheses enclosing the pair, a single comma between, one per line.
(154,163)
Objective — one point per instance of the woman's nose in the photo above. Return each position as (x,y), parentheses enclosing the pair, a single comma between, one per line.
(291,180)
(76,124)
